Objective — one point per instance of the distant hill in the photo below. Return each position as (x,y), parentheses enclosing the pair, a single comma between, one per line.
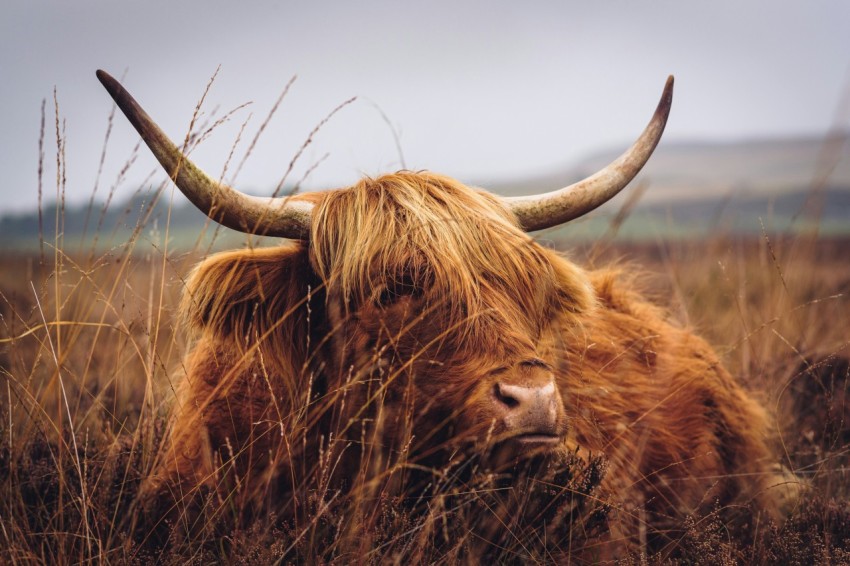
(827,211)
(700,170)
(692,189)
(114,227)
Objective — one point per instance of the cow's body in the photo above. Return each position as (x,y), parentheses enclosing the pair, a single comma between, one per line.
(304,365)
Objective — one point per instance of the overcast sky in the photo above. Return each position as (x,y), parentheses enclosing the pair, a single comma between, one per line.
(476,90)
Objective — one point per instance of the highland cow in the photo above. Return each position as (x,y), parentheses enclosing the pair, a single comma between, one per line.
(411,319)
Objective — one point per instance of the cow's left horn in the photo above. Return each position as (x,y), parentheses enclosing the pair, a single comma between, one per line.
(286,217)
(537,212)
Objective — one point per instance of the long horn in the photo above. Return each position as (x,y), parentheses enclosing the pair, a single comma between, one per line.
(537,212)
(282,216)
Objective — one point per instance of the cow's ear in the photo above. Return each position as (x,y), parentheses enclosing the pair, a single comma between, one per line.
(246,294)
(575,289)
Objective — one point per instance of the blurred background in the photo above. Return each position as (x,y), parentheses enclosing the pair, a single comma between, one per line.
(513,97)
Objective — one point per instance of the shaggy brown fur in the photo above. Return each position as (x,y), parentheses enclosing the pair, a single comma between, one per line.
(374,349)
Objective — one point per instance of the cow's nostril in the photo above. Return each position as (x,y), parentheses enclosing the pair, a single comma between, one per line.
(505,398)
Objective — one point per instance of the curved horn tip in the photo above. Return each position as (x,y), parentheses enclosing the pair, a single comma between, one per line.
(112,86)
(103,76)
(667,94)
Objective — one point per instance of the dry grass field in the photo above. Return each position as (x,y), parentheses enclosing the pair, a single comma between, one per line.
(90,359)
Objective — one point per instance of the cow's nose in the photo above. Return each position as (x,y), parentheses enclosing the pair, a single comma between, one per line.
(529,409)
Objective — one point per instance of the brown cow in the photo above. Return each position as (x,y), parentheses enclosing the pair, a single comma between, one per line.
(413,319)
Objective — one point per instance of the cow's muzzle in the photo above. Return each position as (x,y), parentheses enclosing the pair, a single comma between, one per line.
(532,414)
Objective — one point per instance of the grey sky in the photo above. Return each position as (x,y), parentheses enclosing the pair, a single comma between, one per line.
(477,90)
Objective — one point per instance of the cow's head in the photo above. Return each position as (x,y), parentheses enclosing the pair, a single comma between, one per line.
(444,302)
(422,304)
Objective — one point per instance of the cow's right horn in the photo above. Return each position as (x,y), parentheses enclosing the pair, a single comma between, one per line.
(286,217)
(537,212)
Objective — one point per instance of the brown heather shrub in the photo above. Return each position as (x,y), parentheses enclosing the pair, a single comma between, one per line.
(109,359)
